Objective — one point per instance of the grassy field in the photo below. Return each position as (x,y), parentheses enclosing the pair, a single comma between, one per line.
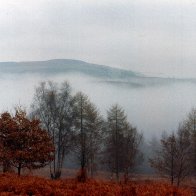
(11,184)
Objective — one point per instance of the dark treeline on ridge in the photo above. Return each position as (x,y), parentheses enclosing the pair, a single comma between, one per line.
(62,125)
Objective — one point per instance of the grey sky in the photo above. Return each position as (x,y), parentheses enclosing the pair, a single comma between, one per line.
(150,36)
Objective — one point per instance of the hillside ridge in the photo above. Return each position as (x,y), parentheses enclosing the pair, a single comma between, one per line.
(66,65)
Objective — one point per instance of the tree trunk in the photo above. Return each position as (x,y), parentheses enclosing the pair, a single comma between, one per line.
(91,167)
(178,183)
(19,169)
(126,175)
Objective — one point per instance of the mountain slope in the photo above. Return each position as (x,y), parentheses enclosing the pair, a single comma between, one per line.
(105,74)
(65,66)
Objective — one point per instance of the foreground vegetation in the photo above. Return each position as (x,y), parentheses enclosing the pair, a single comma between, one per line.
(11,184)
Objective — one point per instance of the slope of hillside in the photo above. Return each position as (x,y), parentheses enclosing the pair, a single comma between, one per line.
(104,74)
(65,66)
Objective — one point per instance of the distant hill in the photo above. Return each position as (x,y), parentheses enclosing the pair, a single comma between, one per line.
(105,74)
(65,66)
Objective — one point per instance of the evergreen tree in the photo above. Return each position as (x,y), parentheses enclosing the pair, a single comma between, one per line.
(88,133)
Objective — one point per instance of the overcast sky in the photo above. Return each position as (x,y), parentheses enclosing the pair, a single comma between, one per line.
(149,36)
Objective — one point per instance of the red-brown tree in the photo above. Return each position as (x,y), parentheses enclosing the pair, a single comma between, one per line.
(6,126)
(24,143)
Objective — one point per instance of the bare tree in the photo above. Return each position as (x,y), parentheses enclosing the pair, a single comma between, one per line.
(183,158)
(94,129)
(53,105)
(165,159)
(190,126)
(131,149)
(173,159)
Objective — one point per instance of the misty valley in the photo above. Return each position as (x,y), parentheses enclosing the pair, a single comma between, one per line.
(98,98)
(70,114)
(152,104)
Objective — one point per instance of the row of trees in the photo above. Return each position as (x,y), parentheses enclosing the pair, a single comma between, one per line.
(175,156)
(76,126)
(61,124)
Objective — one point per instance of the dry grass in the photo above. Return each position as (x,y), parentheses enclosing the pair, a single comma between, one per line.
(103,176)
(11,184)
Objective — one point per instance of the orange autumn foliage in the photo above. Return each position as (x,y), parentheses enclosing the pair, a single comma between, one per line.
(23,143)
(6,126)
(11,184)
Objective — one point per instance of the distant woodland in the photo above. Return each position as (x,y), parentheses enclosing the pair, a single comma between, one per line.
(63,125)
